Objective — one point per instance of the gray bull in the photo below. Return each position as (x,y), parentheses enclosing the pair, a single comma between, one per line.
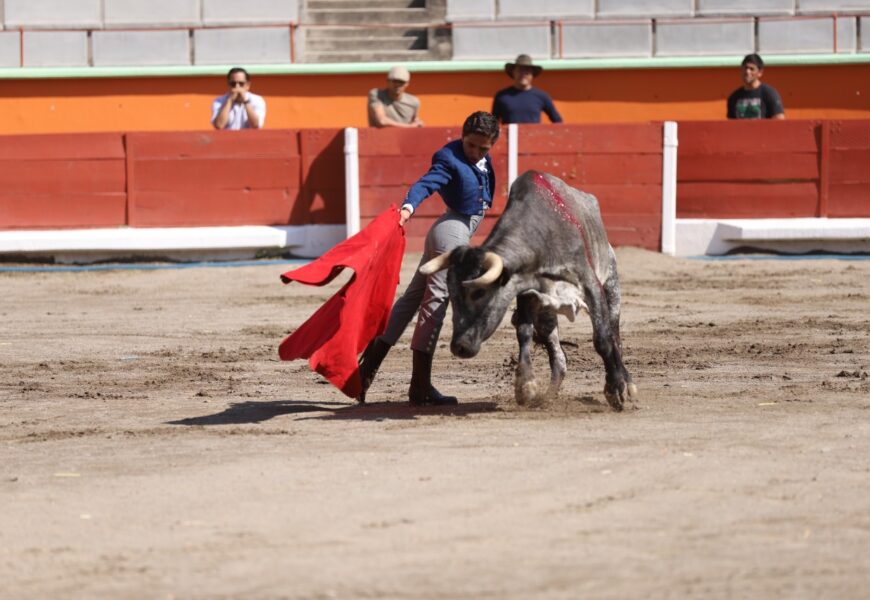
(548,250)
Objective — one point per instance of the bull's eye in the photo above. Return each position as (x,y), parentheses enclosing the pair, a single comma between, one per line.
(478,294)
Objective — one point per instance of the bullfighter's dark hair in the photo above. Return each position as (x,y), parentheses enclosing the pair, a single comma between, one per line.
(483,123)
(753,59)
(238,70)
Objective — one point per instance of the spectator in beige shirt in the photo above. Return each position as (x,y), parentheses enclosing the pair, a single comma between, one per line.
(393,106)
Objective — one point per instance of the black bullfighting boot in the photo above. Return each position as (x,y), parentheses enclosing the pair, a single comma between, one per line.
(369,363)
(421,392)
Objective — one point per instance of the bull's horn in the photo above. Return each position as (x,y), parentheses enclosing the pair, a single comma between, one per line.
(493,264)
(436,264)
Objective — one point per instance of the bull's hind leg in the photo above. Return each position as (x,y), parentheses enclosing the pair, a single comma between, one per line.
(547,333)
(613,297)
(526,388)
(614,300)
(618,388)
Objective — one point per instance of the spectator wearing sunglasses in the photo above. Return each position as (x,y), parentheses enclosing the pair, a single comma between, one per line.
(238,108)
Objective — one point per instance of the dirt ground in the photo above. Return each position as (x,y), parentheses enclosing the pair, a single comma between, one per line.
(153,446)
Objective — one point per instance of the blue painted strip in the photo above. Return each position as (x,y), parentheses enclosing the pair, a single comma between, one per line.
(785,257)
(151,266)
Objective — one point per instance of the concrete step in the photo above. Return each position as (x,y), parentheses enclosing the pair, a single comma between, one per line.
(338,56)
(362,33)
(385,43)
(345,4)
(365,16)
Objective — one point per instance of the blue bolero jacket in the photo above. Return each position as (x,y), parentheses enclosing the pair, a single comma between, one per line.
(462,185)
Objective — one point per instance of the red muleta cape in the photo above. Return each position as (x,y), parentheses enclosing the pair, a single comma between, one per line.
(333,336)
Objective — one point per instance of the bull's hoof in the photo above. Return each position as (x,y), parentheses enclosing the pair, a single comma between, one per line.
(620,394)
(530,394)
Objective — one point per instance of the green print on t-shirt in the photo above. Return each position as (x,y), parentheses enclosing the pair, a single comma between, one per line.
(749,108)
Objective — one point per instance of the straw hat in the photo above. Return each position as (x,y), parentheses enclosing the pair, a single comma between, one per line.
(523,60)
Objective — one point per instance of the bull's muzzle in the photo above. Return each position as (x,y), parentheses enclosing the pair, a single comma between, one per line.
(464,349)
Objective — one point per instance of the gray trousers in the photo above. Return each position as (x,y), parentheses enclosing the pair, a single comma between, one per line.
(429,294)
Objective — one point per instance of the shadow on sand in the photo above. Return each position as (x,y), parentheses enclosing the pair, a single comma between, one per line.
(256,412)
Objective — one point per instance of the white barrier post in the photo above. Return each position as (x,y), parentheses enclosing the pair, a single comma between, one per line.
(351,180)
(669,189)
(513,152)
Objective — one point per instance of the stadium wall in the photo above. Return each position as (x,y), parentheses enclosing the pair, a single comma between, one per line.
(296,177)
(322,96)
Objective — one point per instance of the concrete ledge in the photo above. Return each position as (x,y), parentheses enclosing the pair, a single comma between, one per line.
(434,66)
(795,236)
(174,243)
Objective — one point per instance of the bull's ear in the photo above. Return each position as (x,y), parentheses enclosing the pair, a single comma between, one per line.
(436,264)
(504,277)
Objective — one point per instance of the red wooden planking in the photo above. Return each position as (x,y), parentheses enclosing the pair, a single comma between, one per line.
(850,135)
(392,141)
(754,166)
(75,146)
(214,144)
(211,208)
(242,172)
(585,169)
(387,170)
(640,230)
(62,175)
(646,238)
(321,197)
(374,200)
(619,168)
(718,137)
(563,166)
(315,142)
(627,198)
(850,166)
(749,200)
(849,200)
(597,138)
(424,141)
(54,210)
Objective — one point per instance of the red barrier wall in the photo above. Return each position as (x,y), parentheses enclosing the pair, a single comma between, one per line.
(747,169)
(321,200)
(725,170)
(619,164)
(215,178)
(70,180)
(846,171)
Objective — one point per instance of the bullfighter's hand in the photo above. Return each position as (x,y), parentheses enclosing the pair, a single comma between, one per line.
(404,215)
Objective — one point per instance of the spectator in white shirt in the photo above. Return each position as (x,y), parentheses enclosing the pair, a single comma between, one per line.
(238,108)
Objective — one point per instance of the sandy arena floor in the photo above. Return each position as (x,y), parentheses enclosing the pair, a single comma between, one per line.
(154,447)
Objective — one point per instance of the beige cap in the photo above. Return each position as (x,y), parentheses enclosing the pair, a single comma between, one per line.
(399,74)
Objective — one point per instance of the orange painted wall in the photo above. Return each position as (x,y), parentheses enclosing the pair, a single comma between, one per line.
(309,101)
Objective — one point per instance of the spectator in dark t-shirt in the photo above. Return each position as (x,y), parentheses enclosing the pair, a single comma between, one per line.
(754,100)
(521,103)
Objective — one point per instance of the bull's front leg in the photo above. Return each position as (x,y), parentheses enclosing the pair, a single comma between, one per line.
(618,388)
(525,386)
(547,333)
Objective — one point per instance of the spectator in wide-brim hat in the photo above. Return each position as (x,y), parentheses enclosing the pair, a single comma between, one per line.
(521,102)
